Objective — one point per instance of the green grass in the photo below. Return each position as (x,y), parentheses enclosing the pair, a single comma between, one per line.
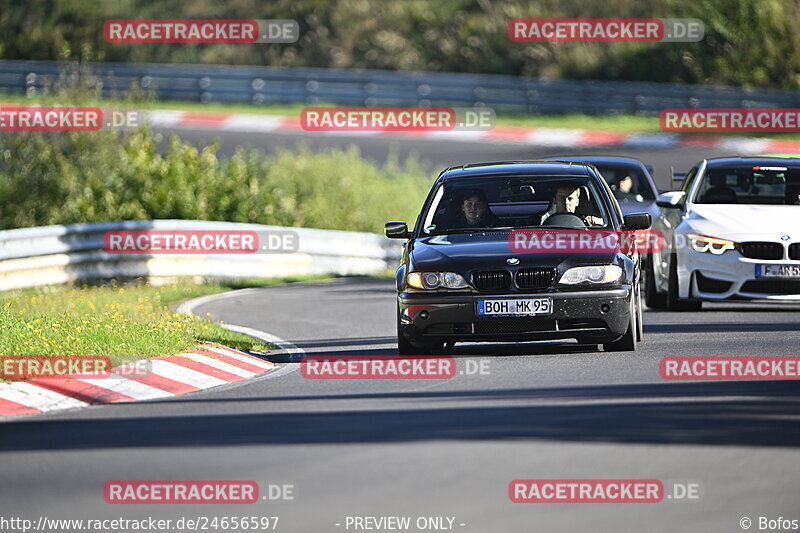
(127,323)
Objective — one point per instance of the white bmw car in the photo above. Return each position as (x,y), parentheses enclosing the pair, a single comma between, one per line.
(731,233)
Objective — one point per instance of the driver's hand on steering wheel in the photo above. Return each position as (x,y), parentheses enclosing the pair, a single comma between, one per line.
(590,220)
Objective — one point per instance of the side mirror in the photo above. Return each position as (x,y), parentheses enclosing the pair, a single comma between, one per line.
(397,230)
(636,221)
(671,200)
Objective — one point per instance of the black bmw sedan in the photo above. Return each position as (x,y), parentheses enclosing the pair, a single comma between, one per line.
(506,252)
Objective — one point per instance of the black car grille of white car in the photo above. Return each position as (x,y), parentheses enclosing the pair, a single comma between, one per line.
(794,251)
(772,286)
(761,250)
(534,278)
(494,280)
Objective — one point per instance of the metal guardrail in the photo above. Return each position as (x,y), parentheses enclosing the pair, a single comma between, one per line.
(50,255)
(271,85)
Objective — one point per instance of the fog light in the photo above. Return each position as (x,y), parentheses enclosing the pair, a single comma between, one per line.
(423,315)
(605,308)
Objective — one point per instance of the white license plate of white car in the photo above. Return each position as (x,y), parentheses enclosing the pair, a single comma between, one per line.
(778,271)
(521,307)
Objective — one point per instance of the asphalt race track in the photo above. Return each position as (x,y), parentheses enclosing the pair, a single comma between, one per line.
(441,448)
(445,447)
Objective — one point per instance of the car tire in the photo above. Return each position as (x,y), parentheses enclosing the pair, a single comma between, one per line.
(652,298)
(626,343)
(639,314)
(406,347)
(674,302)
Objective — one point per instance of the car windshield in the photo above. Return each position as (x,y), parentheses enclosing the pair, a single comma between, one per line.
(753,184)
(518,202)
(627,182)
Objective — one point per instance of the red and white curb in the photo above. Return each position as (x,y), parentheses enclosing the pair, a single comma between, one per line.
(547,137)
(202,368)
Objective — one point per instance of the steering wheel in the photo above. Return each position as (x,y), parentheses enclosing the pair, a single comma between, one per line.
(564,219)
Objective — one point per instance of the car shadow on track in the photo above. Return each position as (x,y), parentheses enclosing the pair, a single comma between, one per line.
(365,346)
(386,346)
(723,414)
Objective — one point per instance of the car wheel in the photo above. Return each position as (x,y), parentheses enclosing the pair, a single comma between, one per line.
(627,342)
(674,302)
(406,347)
(639,315)
(652,298)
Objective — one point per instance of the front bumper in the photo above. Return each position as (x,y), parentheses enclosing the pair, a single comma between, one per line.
(601,315)
(730,276)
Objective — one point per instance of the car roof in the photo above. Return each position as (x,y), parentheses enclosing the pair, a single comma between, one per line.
(728,161)
(594,159)
(514,168)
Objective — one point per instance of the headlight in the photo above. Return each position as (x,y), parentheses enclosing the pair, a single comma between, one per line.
(435,280)
(591,275)
(701,243)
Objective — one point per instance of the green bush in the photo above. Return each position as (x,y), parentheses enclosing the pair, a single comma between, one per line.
(107,175)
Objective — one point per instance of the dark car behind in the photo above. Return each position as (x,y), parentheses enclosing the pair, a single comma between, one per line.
(642,196)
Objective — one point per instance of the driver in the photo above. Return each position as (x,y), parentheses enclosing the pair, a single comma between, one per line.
(624,189)
(566,200)
(625,185)
(793,195)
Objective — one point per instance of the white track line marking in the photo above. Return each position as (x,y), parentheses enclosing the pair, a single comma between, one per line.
(284,346)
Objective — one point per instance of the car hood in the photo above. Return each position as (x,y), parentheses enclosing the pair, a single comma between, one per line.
(739,222)
(468,252)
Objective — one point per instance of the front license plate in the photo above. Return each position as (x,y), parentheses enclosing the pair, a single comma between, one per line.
(523,307)
(778,271)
